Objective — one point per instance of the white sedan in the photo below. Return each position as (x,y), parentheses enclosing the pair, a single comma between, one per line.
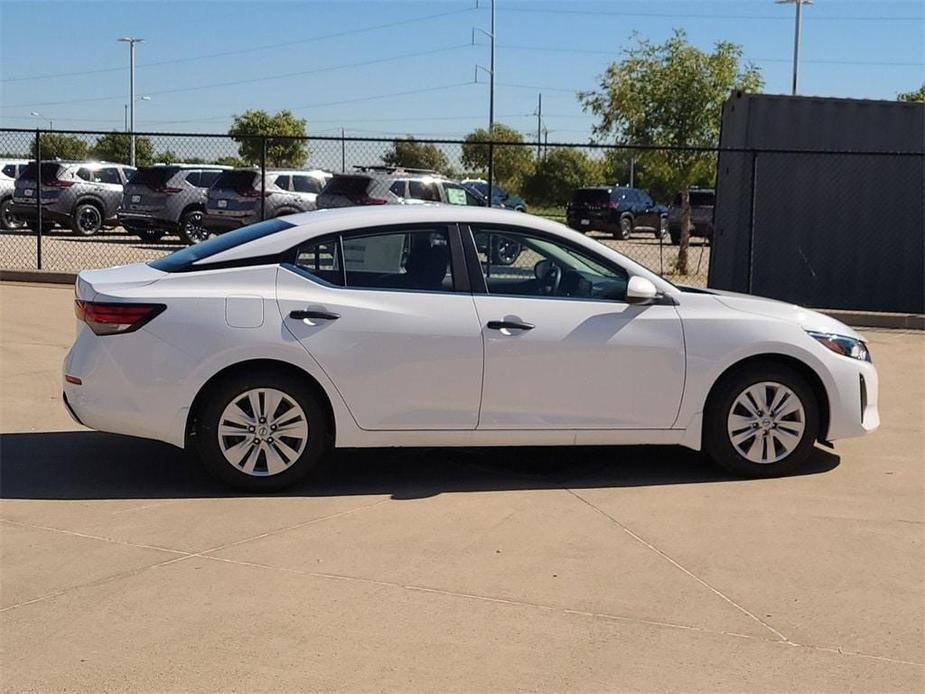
(390,326)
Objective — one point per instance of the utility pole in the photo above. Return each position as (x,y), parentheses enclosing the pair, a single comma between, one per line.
(131,41)
(539,123)
(491,97)
(797,31)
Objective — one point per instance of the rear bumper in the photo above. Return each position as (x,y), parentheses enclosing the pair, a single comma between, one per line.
(28,213)
(219,224)
(596,220)
(144,221)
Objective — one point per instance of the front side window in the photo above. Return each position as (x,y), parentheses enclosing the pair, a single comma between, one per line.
(306,184)
(412,260)
(108,175)
(521,264)
(282,182)
(457,195)
(207,178)
(423,190)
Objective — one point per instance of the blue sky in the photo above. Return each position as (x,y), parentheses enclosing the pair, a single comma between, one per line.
(393,67)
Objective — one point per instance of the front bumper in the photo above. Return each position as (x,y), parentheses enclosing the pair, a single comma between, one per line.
(853,399)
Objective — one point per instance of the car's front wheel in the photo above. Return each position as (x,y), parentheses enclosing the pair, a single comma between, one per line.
(761,421)
(626,228)
(261,431)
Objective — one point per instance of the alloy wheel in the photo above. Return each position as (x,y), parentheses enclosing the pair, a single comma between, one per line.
(89,219)
(262,432)
(193,228)
(766,422)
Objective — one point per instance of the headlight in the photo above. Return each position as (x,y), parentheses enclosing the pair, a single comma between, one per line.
(840,344)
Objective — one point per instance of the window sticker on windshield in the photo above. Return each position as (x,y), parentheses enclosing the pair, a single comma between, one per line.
(456,196)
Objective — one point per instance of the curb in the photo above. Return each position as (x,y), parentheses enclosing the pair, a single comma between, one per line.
(42,276)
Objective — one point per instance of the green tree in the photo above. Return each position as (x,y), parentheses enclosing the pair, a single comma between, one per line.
(559,173)
(234,162)
(280,152)
(416,155)
(56,146)
(511,162)
(116,147)
(671,95)
(168,156)
(917,95)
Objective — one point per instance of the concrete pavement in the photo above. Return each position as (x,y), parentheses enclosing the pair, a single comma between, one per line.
(124,567)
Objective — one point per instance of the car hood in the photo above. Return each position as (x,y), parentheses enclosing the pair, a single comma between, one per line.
(772,308)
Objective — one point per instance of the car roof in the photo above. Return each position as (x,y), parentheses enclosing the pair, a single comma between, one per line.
(211,167)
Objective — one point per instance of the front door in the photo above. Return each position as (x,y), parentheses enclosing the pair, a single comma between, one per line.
(381,314)
(563,349)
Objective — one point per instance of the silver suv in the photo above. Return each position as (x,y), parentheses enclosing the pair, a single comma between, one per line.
(234,200)
(9,170)
(83,195)
(167,199)
(379,185)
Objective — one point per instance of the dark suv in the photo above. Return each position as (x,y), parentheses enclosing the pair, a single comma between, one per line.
(702,202)
(616,210)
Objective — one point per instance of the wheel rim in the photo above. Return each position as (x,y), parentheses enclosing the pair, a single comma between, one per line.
(88,219)
(625,227)
(262,432)
(195,232)
(663,228)
(766,422)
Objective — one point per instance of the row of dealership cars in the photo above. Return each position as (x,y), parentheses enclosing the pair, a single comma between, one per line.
(198,201)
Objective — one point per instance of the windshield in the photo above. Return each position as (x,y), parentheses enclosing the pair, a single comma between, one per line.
(184,259)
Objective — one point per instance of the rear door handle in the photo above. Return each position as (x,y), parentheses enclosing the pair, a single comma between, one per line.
(313,315)
(509,325)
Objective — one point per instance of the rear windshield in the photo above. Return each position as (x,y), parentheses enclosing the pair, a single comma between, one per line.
(236,180)
(349,186)
(153,176)
(591,195)
(49,171)
(184,259)
(699,198)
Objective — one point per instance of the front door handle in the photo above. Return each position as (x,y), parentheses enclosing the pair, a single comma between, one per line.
(313,315)
(509,325)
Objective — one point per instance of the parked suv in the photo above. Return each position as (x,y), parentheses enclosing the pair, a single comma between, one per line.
(234,199)
(380,185)
(617,210)
(167,199)
(83,195)
(499,196)
(9,170)
(702,202)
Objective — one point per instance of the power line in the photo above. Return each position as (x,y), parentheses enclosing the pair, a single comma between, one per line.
(252,80)
(204,56)
(700,15)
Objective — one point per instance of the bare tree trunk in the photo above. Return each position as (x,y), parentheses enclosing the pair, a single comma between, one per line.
(685,230)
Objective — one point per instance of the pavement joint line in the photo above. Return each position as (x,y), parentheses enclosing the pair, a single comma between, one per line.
(682,568)
(563,610)
(87,536)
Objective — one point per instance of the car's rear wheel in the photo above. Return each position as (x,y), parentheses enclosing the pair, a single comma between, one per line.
(7,220)
(192,230)
(625,229)
(761,421)
(87,219)
(261,431)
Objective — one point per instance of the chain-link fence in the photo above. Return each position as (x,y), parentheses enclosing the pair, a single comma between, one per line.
(802,226)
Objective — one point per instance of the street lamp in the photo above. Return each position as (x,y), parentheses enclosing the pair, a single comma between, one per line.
(51,125)
(797,30)
(140,98)
(131,41)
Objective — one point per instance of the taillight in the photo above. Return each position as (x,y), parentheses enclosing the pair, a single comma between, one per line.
(372,201)
(57,183)
(115,319)
(252,193)
(613,205)
(167,190)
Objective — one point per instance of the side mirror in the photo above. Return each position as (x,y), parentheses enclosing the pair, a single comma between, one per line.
(640,289)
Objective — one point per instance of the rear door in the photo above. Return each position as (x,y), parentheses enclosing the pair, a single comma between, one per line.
(387,315)
(647,216)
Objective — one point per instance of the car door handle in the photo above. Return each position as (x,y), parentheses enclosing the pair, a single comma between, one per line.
(313,315)
(509,325)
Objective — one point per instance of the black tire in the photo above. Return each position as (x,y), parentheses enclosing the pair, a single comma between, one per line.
(625,229)
(191,230)
(717,440)
(87,219)
(225,392)
(675,236)
(7,220)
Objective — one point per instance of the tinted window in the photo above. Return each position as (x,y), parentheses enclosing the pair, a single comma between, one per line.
(414,260)
(152,177)
(236,180)
(207,178)
(421,190)
(625,194)
(49,172)
(184,259)
(109,175)
(282,182)
(306,184)
(398,187)
(591,196)
(645,199)
(194,178)
(521,264)
(322,259)
(10,170)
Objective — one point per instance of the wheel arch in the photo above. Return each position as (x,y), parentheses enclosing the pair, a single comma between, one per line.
(193,207)
(249,365)
(801,367)
(90,198)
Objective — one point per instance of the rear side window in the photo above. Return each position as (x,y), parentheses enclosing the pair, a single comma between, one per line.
(10,170)
(306,184)
(322,260)
(194,178)
(416,260)
(420,190)
(282,182)
(398,188)
(184,259)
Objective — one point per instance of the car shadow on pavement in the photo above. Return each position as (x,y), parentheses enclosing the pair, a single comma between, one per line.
(93,465)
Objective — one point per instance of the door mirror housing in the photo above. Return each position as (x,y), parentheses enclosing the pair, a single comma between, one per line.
(640,289)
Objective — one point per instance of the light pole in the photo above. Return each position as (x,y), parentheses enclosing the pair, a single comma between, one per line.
(125,115)
(51,126)
(131,41)
(797,30)
(491,95)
